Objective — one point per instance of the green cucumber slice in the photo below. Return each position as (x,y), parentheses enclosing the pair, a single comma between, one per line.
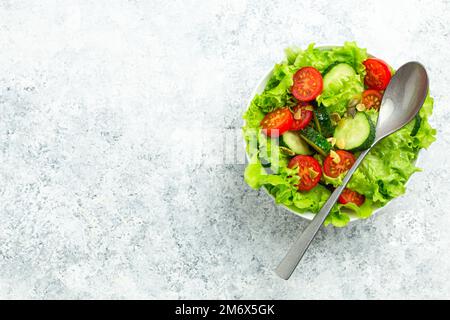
(338,73)
(294,142)
(355,134)
(323,121)
(316,140)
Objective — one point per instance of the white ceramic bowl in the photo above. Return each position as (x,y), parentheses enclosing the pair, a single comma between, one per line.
(307,215)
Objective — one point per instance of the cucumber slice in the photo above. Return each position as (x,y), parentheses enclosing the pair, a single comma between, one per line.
(355,134)
(417,122)
(316,140)
(337,73)
(323,121)
(293,141)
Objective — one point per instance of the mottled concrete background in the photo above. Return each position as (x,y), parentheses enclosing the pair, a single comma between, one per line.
(99,198)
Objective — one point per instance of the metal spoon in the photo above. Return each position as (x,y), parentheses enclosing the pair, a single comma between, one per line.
(402,100)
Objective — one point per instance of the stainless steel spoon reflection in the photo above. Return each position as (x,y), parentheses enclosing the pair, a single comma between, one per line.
(402,100)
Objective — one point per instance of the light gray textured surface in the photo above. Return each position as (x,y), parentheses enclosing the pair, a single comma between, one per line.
(99,199)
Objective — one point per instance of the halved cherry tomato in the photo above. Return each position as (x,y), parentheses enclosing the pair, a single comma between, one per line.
(302,117)
(308,84)
(309,171)
(372,99)
(351,196)
(333,168)
(378,74)
(277,122)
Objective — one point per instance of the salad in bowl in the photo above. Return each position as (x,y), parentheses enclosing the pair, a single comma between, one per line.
(312,115)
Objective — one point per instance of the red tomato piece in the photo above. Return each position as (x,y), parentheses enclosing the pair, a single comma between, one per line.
(277,122)
(302,117)
(334,167)
(308,84)
(351,196)
(309,171)
(372,99)
(378,74)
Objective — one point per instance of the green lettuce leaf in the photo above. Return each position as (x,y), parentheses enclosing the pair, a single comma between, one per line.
(338,94)
(282,187)
(351,54)
(337,218)
(426,134)
(340,214)
(270,154)
(278,89)
(382,175)
(277,93)
(312,56)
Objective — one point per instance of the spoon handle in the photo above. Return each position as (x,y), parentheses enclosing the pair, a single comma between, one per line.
(298,249)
